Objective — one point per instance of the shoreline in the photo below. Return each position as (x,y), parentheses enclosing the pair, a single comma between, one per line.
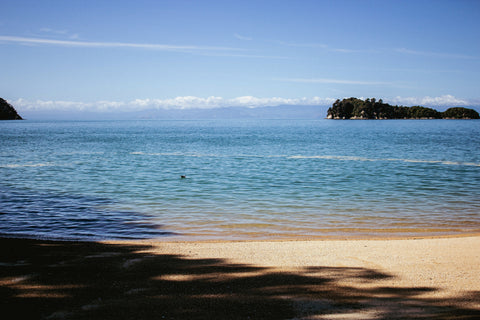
(431,278)
(299,239)
(207,239)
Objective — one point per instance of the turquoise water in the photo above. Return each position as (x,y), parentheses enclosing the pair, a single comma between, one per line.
(244,179)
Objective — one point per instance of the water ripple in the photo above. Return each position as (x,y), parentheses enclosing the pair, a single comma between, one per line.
(243,179)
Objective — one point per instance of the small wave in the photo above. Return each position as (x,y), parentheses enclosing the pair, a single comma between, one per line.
(193,155)
(347,158)
(47,164)
(449,163)
(87,153)
(326,157)
(351,158)
(156,153)
(210,155)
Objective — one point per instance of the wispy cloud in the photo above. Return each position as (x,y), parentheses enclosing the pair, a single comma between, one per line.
(435,54)
(406,51)
(93,44)
(333,81)
(243,55)
(199,50)
(240,37)
(301,45)
(62,32)
(319,46)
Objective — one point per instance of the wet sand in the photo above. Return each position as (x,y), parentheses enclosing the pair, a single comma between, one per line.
(318,279)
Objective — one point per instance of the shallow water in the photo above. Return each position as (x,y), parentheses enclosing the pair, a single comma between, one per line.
(244,179)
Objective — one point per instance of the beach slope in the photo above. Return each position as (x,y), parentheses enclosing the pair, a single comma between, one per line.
(331,279)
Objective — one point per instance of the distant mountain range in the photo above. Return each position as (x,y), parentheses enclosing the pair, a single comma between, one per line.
(272,112)
(277,112)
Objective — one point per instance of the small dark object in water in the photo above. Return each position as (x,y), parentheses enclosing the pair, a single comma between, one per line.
(183,177)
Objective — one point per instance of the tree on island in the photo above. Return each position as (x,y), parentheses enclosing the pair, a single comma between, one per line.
(460,113)
(7,111)
(354,108)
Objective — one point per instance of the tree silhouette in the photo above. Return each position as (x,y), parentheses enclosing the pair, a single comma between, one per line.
(7,111)
(353,108)
(71,280)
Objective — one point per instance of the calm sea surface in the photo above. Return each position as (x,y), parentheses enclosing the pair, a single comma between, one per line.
(244,179)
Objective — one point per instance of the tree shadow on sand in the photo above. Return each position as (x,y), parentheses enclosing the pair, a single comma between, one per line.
(81,280)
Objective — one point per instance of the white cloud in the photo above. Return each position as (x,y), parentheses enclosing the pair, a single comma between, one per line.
(238,55)
(199,50)
(321,46)
(240,37)
(212,102)
(57,32)
(190,102)
(444,101)
(93,44)
(54,31)
(187,102)
(62,32)
(178,103)
(42,105)
(435,54)
(302,45)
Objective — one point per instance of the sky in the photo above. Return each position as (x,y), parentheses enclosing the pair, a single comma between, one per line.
(120,56)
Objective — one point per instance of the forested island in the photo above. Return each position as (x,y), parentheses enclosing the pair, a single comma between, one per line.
(354,108)
(7,111)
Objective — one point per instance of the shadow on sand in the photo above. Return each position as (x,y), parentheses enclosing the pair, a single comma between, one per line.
(87,280)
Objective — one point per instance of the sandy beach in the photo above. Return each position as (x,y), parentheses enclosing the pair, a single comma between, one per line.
(434,278)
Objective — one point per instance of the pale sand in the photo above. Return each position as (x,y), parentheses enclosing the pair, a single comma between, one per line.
(451,265)
(442,271)
(316,279)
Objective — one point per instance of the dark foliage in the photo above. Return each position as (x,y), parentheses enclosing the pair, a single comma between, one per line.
(7,111)
(353,108)
(460,113)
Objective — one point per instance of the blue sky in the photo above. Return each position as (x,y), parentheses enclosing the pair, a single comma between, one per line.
(126,55)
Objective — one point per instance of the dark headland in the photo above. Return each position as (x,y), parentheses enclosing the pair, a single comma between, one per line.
(7,111)
(353,108)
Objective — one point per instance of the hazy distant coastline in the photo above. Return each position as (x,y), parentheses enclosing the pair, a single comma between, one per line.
(282,112)
(226,113)
(344,109)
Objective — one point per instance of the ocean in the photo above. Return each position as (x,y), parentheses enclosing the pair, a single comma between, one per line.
(244,179)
